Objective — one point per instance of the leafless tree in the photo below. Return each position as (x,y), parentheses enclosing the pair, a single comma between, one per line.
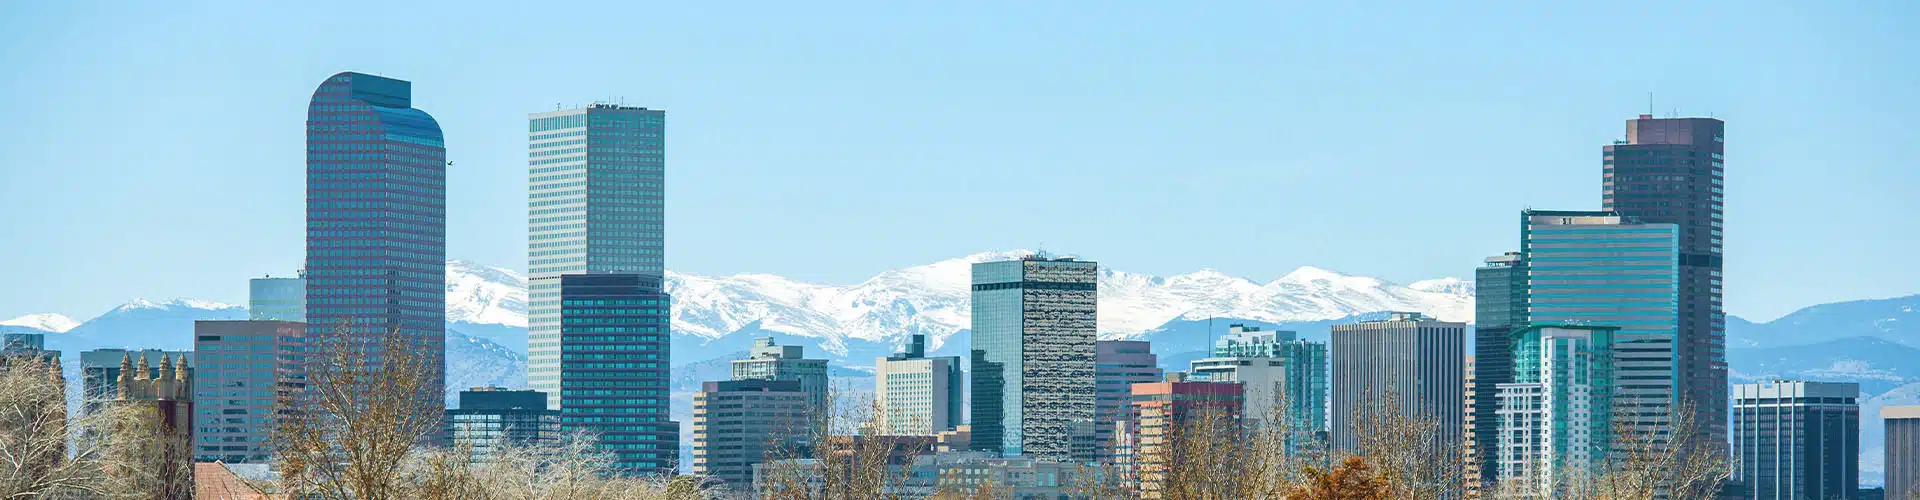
(1415,458)
(1675,460)
(367,405)
(118,451)
(845,455)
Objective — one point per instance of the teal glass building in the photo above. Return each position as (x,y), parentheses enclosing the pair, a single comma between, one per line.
(1602,269)
(1033,358)
(376,217)
(596,212)
(1556,415)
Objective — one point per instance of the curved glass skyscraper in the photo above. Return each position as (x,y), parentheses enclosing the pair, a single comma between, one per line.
(376,215)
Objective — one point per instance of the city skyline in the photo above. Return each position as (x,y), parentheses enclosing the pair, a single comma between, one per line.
(728,196)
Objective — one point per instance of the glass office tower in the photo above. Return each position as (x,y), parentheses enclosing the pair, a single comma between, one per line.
(277,299)
(376,217)
(597,316)
(1672,171)
(596,205)
(1033,356)
(1795,439)
(1599,268)
(1499,307)
(1556,415)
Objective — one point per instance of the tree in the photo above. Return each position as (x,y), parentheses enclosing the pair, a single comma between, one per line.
(368,403)
(118,451)
(1353,479)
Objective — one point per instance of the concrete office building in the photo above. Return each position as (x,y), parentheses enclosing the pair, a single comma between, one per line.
(1018,478)
(1499,306)
(489,418)
(1033,357)
(1797,439)
(245,369)
(770,361)
(1600,268)
(1556,415)
(377,218)
(917,395)
(596,205)
(1902,453)
(1279,371)
(277,299)
(1415,360)
(1117,365)
(1672,171)
(737,423)
(100,371)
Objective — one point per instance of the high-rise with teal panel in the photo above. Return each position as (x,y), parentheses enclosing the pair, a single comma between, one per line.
(1556,415)
(1602,269)
(596,228)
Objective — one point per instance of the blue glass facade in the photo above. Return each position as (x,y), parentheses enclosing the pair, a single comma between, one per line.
(376,215)
(1033,358)
(614,367)
(1598,268)
(596,225)
(596,204)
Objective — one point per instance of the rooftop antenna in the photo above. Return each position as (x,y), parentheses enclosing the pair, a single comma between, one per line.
(1649,104)
(1210,340)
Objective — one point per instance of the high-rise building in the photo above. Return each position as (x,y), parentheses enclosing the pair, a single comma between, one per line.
(597,181)
(1411,360)
(100,371)
(738,423)
(770,361)
(1672,171)
(245,367)
(1117,365)
(1600,268)
(1902,452)
(489,418)
(1499,306)
(597,328)
(1472,447)
(1555,416)
(1033,356)
(1163,409)
(613,380)
(917,395)
(1279,372)
(277,299)
(1797,439)
(25,345)
(377,219)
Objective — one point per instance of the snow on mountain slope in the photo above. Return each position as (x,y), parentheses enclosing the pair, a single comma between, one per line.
(485,294)
(50,322)
(935,300)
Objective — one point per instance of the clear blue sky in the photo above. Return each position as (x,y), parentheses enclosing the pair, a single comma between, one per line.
(156,150)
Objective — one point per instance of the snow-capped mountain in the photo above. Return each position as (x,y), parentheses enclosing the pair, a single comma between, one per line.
(935,300)
(46,322)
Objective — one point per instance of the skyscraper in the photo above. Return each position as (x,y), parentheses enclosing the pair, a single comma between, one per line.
(1415,360)
(597,180)
(1599,268)
(769,361)
(1902,454)
(1672,171)
(1555,416)
(917,395)
(245,368)
(377,217)
(597,312)
(1797,439)
(1279,370)
(1499,306)
(277,299)
(1033,356)
(1117,365)
(614,380)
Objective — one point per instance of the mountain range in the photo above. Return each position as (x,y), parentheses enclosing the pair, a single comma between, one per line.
(1875,343)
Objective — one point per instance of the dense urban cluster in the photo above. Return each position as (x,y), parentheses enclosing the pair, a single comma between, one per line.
(1596,368)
